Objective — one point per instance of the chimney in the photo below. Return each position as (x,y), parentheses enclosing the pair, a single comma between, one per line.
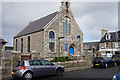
(104,31)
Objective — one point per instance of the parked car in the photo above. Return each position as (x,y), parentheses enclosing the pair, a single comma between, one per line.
(103,62)
(116,58)
(29,69)
(116,77)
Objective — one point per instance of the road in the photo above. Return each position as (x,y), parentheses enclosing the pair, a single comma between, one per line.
(91,73)
(86,74)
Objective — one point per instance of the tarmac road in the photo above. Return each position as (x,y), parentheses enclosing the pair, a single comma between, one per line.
(87,74)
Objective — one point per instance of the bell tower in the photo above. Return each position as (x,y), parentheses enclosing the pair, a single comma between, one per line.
(65,4)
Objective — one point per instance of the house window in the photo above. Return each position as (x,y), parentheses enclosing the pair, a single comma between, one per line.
(51,41)
(16,45)
(107,36)
(107,45)
(28,43)
(21,44)
(116,45)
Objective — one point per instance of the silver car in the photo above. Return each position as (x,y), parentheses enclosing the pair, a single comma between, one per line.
(29,69)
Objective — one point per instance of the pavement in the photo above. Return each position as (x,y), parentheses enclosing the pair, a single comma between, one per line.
(76,68)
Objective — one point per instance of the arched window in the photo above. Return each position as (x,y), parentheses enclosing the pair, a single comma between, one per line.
(78,37)
(66,26)
(51,41)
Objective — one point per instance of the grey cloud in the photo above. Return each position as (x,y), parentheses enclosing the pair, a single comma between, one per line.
(90,16)
(94,16)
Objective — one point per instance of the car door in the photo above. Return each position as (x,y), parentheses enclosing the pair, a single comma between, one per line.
(107,61)
(110,61)
(49,67)
(37,67)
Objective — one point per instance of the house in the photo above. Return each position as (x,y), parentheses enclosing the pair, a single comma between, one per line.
(54,35)
(2,50)
(91,46)
(109,43)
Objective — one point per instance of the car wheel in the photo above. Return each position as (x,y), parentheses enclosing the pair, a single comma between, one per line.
(28,76)
(106,65)
(59,72)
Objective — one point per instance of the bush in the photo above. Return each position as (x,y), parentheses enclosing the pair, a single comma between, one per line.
(61,59)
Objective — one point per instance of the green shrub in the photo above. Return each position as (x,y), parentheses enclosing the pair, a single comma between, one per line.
(61,59)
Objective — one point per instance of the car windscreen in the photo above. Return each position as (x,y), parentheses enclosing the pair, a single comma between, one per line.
(20,63)
(98,59)
(114,56)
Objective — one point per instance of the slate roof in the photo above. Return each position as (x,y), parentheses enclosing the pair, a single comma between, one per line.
(3,41)
(114,36)
(37,25)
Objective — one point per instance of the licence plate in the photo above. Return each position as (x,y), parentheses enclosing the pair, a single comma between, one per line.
(13,72)
(115,58)
(96,64)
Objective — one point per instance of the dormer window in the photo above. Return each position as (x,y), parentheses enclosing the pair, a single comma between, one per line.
(107,36)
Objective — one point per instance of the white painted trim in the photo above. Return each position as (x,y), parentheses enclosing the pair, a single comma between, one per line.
(109,50)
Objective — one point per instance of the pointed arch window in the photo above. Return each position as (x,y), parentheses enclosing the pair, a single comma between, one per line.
(66,26)
(78,36)
(51,40)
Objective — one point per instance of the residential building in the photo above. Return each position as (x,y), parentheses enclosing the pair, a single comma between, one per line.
(110,42)
(91,46)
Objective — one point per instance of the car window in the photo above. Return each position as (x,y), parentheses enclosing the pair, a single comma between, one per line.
(20,63)
(98,58)
(114,56)
(35,63)
(47,62)
(42,62)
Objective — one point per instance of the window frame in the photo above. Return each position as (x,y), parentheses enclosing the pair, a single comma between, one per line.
(52,41)
(29,43)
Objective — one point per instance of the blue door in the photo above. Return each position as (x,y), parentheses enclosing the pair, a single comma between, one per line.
(71,50)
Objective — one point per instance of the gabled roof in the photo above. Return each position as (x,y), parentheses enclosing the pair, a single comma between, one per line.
(114,36)
(37,25)
(2,40)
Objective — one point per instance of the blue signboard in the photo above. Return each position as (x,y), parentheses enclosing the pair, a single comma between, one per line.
(66,46)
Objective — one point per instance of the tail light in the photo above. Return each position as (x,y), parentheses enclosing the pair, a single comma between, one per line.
(22,68)
(101,60)
(93,61)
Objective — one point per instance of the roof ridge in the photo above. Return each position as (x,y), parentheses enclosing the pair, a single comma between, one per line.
(37,25)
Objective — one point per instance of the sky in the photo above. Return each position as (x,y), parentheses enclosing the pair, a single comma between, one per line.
(90,16)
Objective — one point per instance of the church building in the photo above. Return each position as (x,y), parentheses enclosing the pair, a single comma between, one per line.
(54,35)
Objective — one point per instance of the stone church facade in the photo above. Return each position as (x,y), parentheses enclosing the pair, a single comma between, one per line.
(54,35)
